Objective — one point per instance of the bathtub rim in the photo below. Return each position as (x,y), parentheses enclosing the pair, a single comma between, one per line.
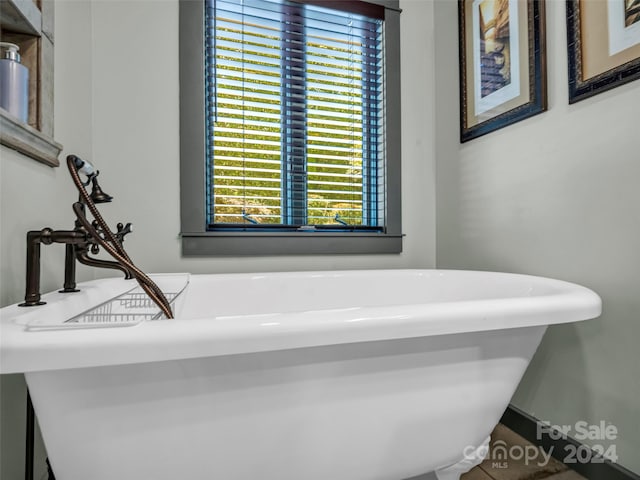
(24,351)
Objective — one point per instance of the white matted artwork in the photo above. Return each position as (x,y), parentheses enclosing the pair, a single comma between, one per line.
(624,24)
(496,64)
(502,63)
(603,45)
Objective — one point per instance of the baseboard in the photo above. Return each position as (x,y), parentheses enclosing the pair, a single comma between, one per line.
(595,468)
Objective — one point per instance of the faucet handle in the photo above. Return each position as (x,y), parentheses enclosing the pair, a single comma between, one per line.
(123,230)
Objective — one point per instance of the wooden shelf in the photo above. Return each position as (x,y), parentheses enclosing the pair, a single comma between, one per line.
(30,25)
(21,16)
(27,140)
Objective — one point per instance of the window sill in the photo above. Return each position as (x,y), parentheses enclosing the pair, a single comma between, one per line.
(27,140)
(297,243)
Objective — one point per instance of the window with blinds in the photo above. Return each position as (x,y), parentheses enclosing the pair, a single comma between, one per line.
(294,97)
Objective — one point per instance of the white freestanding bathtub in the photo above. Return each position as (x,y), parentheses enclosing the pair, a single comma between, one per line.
(356,375)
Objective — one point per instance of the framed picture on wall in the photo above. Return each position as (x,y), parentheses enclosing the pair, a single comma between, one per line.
(604,45)
(502,63)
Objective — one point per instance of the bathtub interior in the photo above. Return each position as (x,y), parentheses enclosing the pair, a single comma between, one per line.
(255,294)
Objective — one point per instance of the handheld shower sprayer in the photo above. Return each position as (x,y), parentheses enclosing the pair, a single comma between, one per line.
(97,195)
(87,237)
(100,232)
(84,167)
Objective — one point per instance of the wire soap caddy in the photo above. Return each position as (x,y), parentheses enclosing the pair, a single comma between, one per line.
(129,308)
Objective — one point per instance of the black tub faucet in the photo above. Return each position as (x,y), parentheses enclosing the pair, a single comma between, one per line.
(86,239)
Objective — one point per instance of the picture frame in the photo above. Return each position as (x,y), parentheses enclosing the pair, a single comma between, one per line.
(603,40)
(503,78)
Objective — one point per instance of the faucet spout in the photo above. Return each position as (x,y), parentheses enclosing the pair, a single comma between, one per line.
(84,258)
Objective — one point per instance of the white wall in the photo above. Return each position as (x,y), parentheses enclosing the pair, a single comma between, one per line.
(117,105)
(555,195)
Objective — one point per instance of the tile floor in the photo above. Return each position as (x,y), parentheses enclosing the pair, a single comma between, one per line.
(511,469)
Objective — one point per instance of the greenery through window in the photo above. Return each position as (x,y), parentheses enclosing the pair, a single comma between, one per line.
(295,116)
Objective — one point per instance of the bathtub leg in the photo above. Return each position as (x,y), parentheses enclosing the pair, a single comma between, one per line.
(471,459)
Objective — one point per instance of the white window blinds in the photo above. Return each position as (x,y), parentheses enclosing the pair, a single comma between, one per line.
(295,116)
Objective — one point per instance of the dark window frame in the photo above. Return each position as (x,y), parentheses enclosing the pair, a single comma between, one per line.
(197,240)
